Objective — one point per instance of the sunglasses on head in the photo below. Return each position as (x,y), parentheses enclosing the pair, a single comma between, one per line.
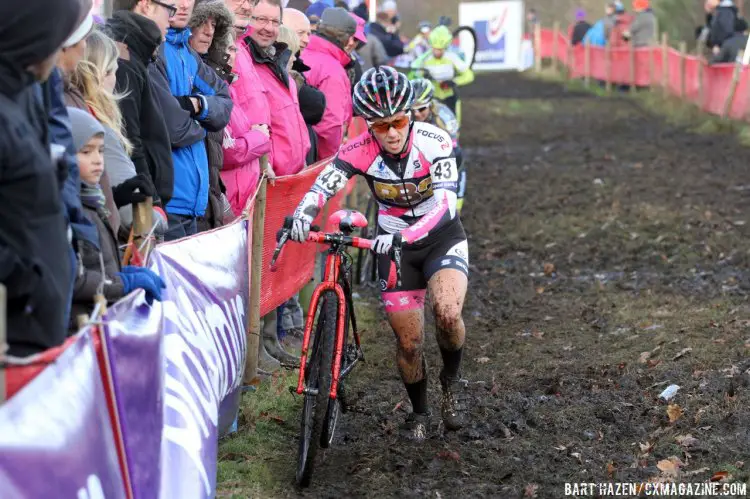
(384,127)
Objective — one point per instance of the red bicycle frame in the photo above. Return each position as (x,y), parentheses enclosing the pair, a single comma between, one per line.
(330,282)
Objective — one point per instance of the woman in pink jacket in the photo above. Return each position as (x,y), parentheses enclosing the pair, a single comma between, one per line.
(247,137)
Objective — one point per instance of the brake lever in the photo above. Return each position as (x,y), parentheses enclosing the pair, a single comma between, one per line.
(283,238)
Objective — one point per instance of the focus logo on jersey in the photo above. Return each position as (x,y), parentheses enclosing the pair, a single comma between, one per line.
(357,145)
(431,135)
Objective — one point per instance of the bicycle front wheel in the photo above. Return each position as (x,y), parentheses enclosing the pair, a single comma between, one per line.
(318,377)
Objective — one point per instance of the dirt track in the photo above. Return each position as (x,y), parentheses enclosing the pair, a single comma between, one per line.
(609,259)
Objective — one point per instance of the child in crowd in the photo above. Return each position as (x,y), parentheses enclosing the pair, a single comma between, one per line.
(99,269)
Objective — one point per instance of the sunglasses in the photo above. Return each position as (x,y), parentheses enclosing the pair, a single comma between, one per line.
(170,8)
(385,127)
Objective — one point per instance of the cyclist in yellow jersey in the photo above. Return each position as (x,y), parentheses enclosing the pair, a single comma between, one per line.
(445,68)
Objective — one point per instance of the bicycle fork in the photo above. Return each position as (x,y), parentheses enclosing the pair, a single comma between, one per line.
(328,284)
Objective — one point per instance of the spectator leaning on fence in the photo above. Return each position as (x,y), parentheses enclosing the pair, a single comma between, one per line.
(642,31)
(100,270)
(33,232)
(138,27)
(723,20)
(580,28)
(94,78)
(732,46)
(328,56)
(194,100)
(289,138)
(212,36)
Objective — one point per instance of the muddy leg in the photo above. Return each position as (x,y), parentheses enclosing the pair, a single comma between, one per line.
(448,290)
(408,326)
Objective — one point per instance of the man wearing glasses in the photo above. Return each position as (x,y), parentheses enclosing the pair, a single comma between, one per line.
(289,138)
(194,100)
(139,27)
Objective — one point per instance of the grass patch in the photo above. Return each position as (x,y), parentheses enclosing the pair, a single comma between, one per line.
(259,461)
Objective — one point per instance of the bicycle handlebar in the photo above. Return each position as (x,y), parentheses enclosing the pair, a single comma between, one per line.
(340,239)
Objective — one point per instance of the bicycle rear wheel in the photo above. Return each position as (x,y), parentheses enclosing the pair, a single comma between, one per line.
(317,376)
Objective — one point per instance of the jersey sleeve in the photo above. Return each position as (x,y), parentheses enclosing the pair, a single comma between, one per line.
(330,181)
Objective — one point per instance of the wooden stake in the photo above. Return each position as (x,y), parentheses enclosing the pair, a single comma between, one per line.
(665,63)
(537,47)
(555,38)
(733,87)
(651,68)
(608,62)
(571,61)
(587,65)
(631,53)
(256,269)
(683,64)
(701,69)
(3,339)
(143,221)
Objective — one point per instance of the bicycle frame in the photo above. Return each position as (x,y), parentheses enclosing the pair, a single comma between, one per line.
(332,273)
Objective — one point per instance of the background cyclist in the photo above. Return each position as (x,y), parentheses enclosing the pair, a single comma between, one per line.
(412,172)
(425,108)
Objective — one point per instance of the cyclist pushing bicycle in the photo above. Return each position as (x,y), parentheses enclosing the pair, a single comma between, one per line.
(429,110)
(412,172)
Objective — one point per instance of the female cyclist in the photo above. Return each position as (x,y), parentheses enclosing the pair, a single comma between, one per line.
(411,170)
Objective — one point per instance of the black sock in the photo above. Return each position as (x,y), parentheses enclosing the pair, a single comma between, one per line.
(418,395)
(451,363)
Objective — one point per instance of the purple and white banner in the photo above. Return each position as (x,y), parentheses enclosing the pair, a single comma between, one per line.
(56,438)
(204,311)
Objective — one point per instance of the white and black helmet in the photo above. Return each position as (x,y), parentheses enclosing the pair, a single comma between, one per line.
(381,93)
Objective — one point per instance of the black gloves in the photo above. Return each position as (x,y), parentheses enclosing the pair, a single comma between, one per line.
(133,190)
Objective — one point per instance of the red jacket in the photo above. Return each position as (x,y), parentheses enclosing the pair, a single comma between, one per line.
(327,74)
(289,138)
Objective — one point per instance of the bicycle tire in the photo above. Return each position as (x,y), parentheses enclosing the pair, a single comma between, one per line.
(334,405)
(315,407)
(468,29)
(366,264)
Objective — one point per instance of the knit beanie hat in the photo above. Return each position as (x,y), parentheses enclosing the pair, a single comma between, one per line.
(84,126)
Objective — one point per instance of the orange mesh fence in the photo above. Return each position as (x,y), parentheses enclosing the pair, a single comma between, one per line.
(615,66)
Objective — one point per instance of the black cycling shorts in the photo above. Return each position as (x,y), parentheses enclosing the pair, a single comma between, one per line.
(446,248)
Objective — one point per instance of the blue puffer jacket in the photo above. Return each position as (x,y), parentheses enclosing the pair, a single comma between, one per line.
(179,73)
(596,35)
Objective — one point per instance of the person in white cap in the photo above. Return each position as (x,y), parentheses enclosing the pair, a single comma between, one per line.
(75,46)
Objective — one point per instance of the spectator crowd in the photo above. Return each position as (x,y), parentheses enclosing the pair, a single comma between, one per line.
(723,35)
(184,102)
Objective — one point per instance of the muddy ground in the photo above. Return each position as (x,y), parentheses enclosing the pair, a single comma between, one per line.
(610,259)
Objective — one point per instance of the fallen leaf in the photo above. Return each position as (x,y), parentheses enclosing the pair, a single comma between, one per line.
(576,455)
(482,360)
(739,464)
(449,455)
(549,269)
(696,472)
(654,362)
(272,417)
(611,469)
(686,440)
(540,290)
(719,476)
(682,353)
(398,406)
(670,466)
(560,447)
(646,448)
(643,358)
(530,490)
(537,334)
(674,412)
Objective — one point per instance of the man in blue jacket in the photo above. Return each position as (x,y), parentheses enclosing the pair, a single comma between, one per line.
(194,100)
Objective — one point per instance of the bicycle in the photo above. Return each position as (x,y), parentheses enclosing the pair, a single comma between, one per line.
(333,355)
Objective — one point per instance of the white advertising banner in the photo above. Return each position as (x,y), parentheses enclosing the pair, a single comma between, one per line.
(499,29)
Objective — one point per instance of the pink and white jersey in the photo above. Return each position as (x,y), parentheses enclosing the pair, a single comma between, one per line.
(416,190)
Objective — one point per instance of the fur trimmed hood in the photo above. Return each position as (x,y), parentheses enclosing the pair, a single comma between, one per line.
(224,34)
